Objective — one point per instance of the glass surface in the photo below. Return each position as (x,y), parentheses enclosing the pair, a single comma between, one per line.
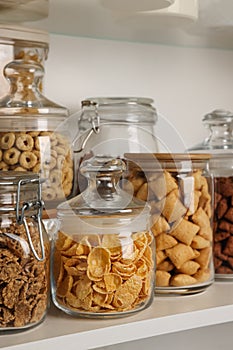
(103,254)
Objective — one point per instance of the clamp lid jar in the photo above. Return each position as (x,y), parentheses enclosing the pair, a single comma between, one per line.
(103,254)
(111,126)
(24,252)
(220,144)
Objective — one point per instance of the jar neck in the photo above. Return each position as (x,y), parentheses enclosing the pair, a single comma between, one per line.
(221,135)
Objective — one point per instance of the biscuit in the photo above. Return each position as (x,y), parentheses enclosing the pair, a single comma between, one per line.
(189,267)
(165,265)
(202,275)
(162,278)
(159,225)
(204,257)
(185,231)
(164,241)
(201,219)
(173,208)
(143,192)
(179,254)
(160,256)
(199,242)
(182,280)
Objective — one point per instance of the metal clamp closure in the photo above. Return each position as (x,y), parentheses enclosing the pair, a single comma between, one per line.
(94,121)
(21,219)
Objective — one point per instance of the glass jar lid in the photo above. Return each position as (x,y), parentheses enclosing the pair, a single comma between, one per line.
(218,116)
(104,204)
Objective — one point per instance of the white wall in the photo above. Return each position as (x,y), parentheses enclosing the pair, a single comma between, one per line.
(185,83)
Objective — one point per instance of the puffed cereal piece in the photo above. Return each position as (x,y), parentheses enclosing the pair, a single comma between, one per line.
(201,219)
(190,267)
(182,280)
(143,192)
(179,254)
(204,257)
(165,241)
(24,142)
(160,225)
(185,231)
(165,265)
(173,209)
(162,278)
(160,257)
(11,156)
(202,275)
(7,140)
(199,242)
(27,159)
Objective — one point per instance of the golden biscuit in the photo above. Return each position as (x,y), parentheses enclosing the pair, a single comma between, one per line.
(182,280)
(199,242)
(179,254)
(165,241)
(137,182)
(190,267)
(202,275)
(185,231)
(201,219)
(173,209)
(162,278)
(160,256)
(159,225)
(204,257)
(165,265)
(143,192)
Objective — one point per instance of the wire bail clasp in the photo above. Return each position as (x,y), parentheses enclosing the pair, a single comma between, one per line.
(20,214)
(94,120)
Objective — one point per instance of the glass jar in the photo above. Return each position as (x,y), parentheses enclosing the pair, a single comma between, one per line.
(178,189)
(19,42)
(220,144)
(31,134)
(24,252)
(103,254)
(113,126)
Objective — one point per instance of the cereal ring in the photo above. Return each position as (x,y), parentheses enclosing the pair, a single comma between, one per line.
(33,133)
(7,140)
(60,161)
(50,163)
(3,166)
(53,153)
(37,143)
(55,177)
(19,168)
(37,153)
(11,156)
(0,155)
(61,150)
(27,160)
(36,168)
(48,194)
(24,142)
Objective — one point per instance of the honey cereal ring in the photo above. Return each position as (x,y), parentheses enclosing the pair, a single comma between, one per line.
(7,140)
(60,161)
(37,143)
(48,194)
(61,150)
(33,133)
(19,168)
(53,153)
(55,177)
(24,142)
(37,153)
(11,156)
(36,168)
(3,166)
(27,159)
(51,135)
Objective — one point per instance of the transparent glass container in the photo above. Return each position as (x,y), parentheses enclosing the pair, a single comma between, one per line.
(24,252)
(19,42)
(112,126)
(103,253)
(220,144)
(178,187)
(31,139)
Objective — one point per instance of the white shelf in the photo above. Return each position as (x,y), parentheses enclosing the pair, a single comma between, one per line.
(213,28)
(166,315)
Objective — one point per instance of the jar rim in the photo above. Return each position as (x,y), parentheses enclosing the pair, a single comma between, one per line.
(21,33)
(106,101)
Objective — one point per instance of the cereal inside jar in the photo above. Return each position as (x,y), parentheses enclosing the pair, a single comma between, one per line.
(179,191)
(103,254)
(24,253)
(31,139)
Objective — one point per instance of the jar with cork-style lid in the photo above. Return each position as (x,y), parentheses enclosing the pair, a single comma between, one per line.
(103,254)
(24,252)
(178,188)
(219,143)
